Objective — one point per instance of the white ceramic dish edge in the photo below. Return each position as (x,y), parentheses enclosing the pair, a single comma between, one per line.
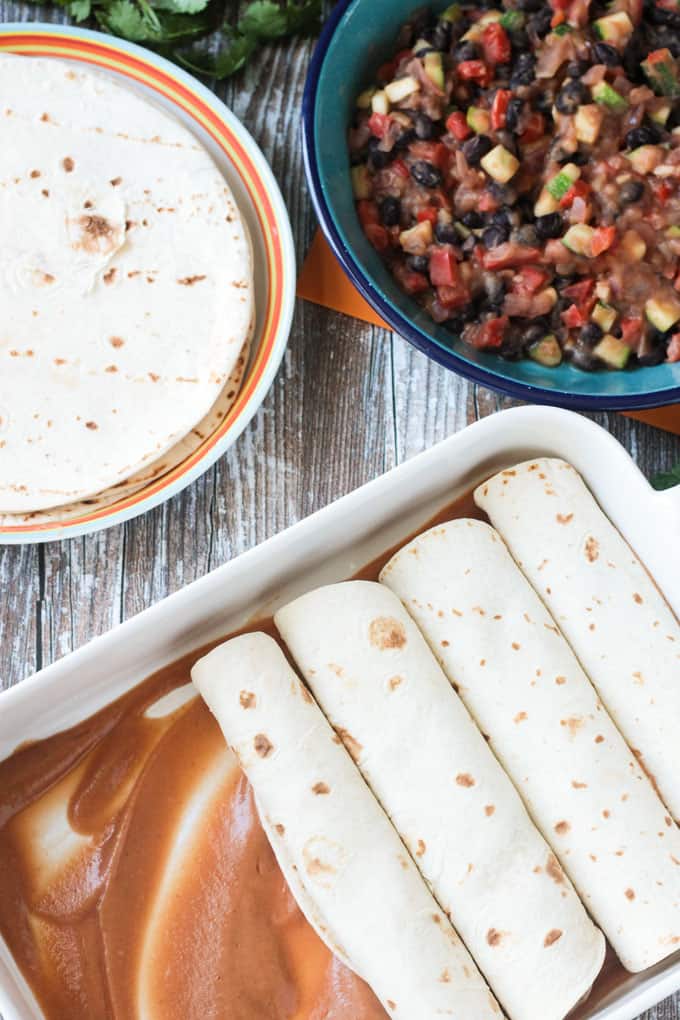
(331,544)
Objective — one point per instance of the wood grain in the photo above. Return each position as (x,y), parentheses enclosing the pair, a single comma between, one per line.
(349,402)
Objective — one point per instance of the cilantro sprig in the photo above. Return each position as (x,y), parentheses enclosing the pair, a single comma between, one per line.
(169,25)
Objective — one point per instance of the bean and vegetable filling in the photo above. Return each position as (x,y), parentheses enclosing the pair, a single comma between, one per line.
(518,169)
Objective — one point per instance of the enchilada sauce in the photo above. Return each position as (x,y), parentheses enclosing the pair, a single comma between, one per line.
(136,880)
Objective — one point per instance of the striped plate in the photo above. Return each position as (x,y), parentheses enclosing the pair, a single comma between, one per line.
(263,209)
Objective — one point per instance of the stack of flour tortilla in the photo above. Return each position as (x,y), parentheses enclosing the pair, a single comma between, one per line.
(445,753)
(126,291)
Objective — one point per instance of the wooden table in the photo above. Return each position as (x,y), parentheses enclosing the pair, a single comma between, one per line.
(349,402)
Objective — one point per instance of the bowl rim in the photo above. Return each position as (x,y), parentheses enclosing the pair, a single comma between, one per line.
(400,323)
(100,51)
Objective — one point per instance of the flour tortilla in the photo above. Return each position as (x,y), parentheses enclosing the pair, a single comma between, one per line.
(613,616)
(462,820)
(126,285)
(525,689)
(369,899)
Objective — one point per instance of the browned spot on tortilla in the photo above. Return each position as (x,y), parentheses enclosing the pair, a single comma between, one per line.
(350,742)
(47,278)
(35,173)
(637,598)
(573,723)
(520,717)
(560,680)
(516,646)
(421,848)
(465,779)
(592,548)
(386,632)
(391,1004)
(315,866)
(111,368)
(564,518)
(89,204)
(263,745)
(668,820)
(189,281)
(553,935)
(638,678)
(92,425)
(445,643)
(110,275)
(153,377)
(116,341)
(45,192)
(489,810)
(68,164)
(562,828)
(45,118)
(321,788)
(494,937)
(579,786)
(57,361)
(552,866)
(630,894)
(247,699)
(281,829)
(95,228)
(115,181)
(306,696)
(394,682)
(606,814)
(599,739)
(675,860)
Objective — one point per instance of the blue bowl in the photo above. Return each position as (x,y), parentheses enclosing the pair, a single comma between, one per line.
(358,37)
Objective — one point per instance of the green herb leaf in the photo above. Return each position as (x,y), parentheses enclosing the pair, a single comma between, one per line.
(667,479)
(180,6)
(79,9)
(230,59)
(124,18)
(263,19)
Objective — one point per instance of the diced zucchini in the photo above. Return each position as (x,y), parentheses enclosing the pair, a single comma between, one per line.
(479,120)
(645,158)
(633,246)
(416,240)
(604,94)
(379,102)
(662,313)
(612,351)
(587,123)
(603,291)
(673,231)
(614,28)
(364,99)
(579,239)
(500,164)
(421,45)
(452,13)
(461,229)
(512,20)
(362,184)
(400,88)
(661,114)
(662,73)
(604,316)
(546,351)
(476,31)
(434,69)
(545,203)
(549,297)
(559,185)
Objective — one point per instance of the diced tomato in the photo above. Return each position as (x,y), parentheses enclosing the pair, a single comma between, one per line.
(577,315)
(496,44)
(558,18)
(443,267)
(579,189)
(453,295)
(474,70)
(560,5)
(673,352)
(662,191)
(487,202)
(457,126)
(433,152)
(400,168)
(603,239)
(377,235)
(490,333)
(410,281)
(534,128)
(367,212)
(509,254)
(499,108)
(427,214)
(631,331)
(529,279)
(581,291)
(378,123)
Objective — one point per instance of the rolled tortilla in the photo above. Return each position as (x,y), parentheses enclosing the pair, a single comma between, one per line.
(369,900)
(522,684)
(378,683)
(613,616)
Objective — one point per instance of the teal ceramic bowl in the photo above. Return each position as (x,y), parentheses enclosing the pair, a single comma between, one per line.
(357,38)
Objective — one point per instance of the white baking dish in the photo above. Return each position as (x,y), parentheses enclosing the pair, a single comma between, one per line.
(328,546)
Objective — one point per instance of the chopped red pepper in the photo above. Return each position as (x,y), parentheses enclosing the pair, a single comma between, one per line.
(662,191)
(474,70)
(603,239)
(631,331)
(443,267)
(496,44)
(377,235)
(378,123)
(401,169)
(509,254)
(454,295)
(534,128)
(457,126)
(432,152)
(490,333)
(367,212)
(427,214)
(410,281)
(573,317)
(529,279)
(499,108)
(558,18)
(580,291)
(487,202)
(579,189)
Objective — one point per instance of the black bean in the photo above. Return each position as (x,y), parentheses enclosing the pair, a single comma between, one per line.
(469,244)
(646,134)
(543,102)
(423,126)
(466,51)
(606,54)
(513,114)
(494,288)
(418,263)
(493,236)
(501,218)
(528,5)
(503,192)
(579,157)
(390,211)
(539,23)
(441,37)
(534,332)
(662,16)
(472,219)
(446,233)
(549,225)
(377,157)
(404,140)
(590,333)
(577,68)
(426,174)
(520,40)
(523,71)
(503,72)
(631,191)
(582,358)
(632,58)
(571,96)
(476,148)
(654,356)
(507,140)
(526,235)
